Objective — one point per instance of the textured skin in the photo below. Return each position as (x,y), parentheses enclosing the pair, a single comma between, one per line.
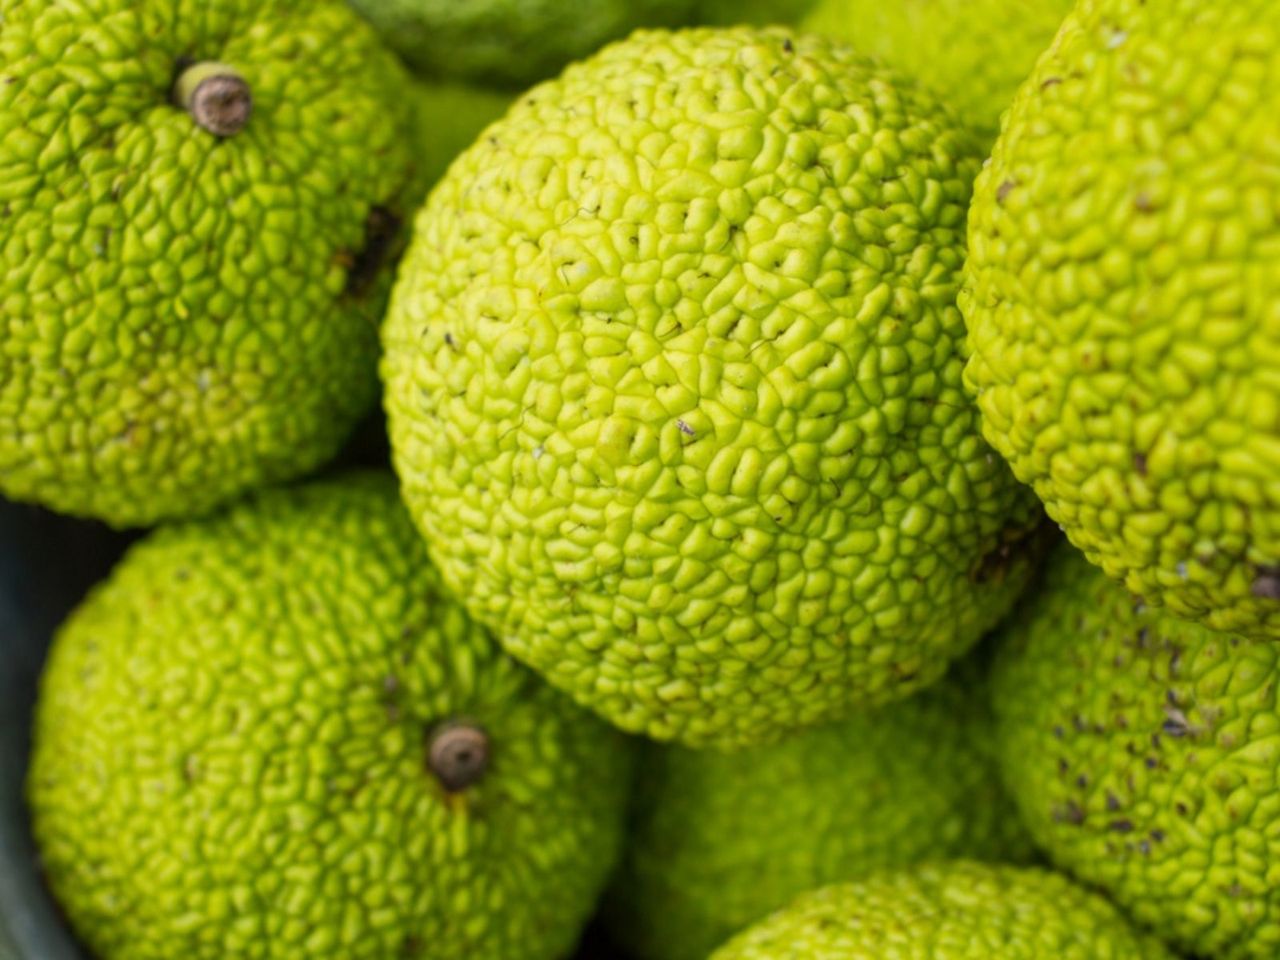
(720,840)
(947,911)
(181,316)
(509,42)
(974,53)
(449,117)
(674,387)
(231,741)
(1144,753)
(1123,299)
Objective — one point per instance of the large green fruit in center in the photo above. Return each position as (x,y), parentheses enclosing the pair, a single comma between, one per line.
(674,386)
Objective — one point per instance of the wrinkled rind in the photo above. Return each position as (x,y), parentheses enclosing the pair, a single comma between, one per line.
(673,383)
(177,321)
(509,42)
(974,53)
(1144,754)
(1123,299)
(719,840)
(230,753)
(946,911)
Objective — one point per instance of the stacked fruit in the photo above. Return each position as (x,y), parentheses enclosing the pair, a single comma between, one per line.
(736,388)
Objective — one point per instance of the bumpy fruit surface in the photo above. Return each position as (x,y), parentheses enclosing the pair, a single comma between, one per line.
(509,41)
(719,840)
(947,911)
(189,314)
(1144,753)
(272,735)
(974,53)
(1123,299)
(674,387)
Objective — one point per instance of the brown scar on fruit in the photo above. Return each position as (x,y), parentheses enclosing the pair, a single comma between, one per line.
(1266,585)
(381,227)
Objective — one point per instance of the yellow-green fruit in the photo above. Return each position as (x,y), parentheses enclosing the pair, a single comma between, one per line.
(449,117)
(947,911)
(974,53)
(719,840)
(200,204)
(510,42)
(272,735)
(674,384)
(1144,753)
(1123,299)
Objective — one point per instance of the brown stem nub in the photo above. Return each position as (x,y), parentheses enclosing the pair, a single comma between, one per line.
(458,755)
(216,96)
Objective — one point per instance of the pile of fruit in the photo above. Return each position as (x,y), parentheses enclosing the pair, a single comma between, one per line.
(832,505)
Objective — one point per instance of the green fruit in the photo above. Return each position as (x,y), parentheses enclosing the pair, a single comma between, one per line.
(974,53)
(449,117)
(272,735)
(189,294)
(1144,753)
(947,911)
(1123,299)
(674,384)
(720,840)
(512,42)
(761,12)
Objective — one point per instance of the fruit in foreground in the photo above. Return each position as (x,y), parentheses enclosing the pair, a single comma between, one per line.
(974,53)
(200,207)
(1123,299)
(271,734)
(947,911)
(509,42)
(1144,753)
(673,380)
(719,840)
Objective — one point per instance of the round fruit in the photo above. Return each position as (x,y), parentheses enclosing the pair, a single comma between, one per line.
(674,384)
(1123,299)
(199,204)
(974,53)
(511,42)
(719,840)
(1144,753)
(272,735)
(947,911)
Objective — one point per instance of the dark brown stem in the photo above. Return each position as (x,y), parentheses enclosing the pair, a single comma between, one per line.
(216,96)
(458,755)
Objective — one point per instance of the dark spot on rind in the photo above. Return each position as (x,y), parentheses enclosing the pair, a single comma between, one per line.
(1266,585)
(458,755)
(1070,812)
(1004,190)
(381,227)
